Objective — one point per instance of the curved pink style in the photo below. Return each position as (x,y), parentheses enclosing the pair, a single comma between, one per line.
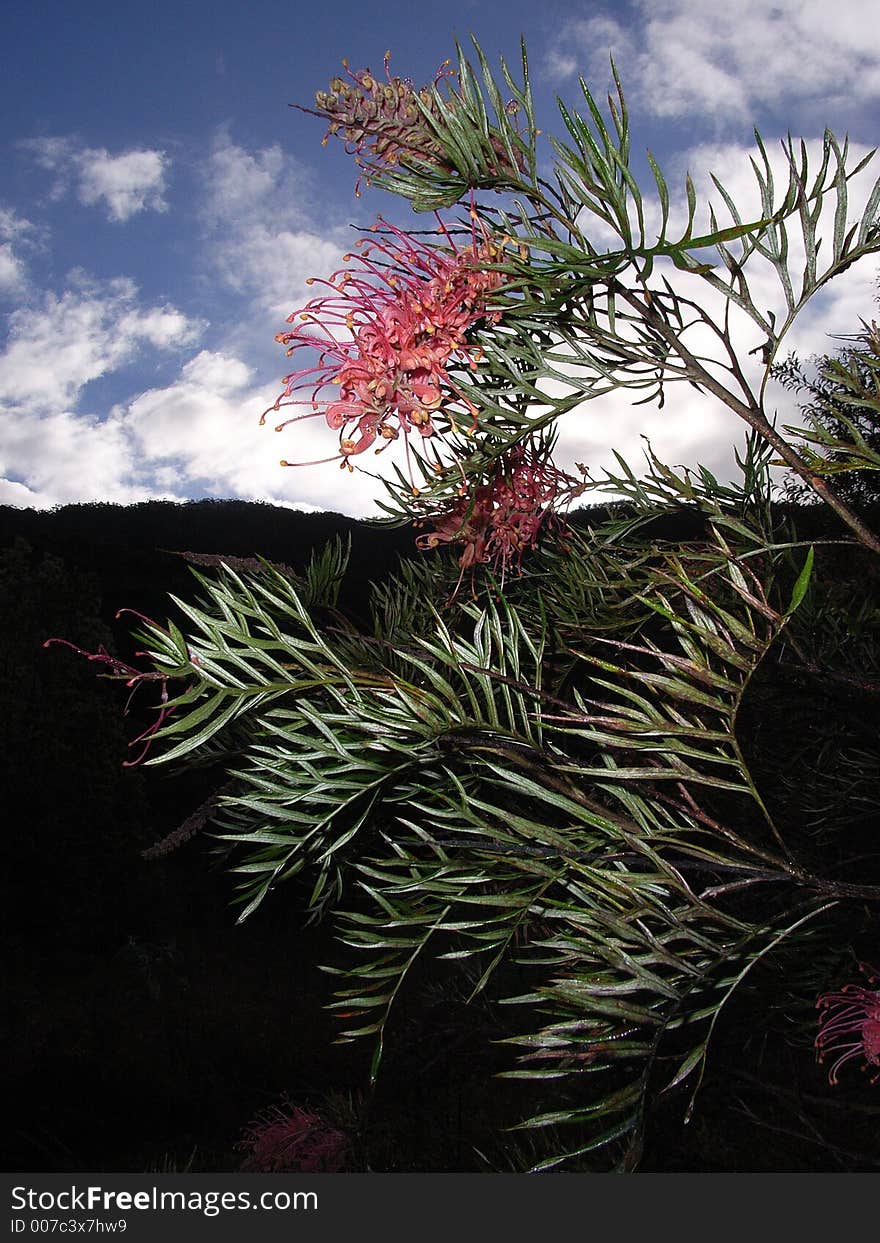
(850,1026)
(387,333)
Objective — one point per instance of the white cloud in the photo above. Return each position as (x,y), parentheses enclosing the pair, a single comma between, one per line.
(686,58)
(65,457)
(199,433)
(56,348)
(240,183)
(125,184)
(206,424)
(19,495)
(584,45)
(16,235)
(247,195)
(12,269)
(51,453)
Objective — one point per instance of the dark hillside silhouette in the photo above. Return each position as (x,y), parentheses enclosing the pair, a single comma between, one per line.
(131,547)
(123,1045)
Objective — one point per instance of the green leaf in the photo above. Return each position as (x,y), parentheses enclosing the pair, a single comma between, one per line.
(802,584)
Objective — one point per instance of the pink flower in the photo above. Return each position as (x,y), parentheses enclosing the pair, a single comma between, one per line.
(850,1026)
(387,123)
(387,333)
(504,517)
(294,1140)
(382,122)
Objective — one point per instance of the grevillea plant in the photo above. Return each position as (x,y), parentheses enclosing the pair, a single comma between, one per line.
(557,773)
(388,333)
(287,1139)
(850,1027)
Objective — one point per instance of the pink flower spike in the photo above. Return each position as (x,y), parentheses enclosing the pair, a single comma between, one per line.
(294,1140)
(505,516)
(389,333)
(849,1027)
(382,122)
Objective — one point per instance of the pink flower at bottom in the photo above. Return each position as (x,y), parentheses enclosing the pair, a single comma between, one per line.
(849,1026)
(294,1140)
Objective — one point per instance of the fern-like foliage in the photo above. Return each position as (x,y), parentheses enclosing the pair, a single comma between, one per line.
(548,787)
(842,439)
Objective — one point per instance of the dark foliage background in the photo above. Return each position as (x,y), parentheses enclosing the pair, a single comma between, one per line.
(141,1022)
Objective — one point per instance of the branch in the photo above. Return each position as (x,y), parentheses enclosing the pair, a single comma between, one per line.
(752,414)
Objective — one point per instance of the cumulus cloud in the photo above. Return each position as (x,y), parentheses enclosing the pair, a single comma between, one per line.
(60,458)
(59,345)
(260,240)
(200,432)
(17,236)
(53,452)
(207,424)
(11,270)
(123,185)
(13,273)
(728,61)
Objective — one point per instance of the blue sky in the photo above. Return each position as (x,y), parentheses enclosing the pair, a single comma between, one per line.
(161,207)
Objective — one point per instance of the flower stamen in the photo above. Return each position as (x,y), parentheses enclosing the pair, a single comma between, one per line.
(850,1026)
